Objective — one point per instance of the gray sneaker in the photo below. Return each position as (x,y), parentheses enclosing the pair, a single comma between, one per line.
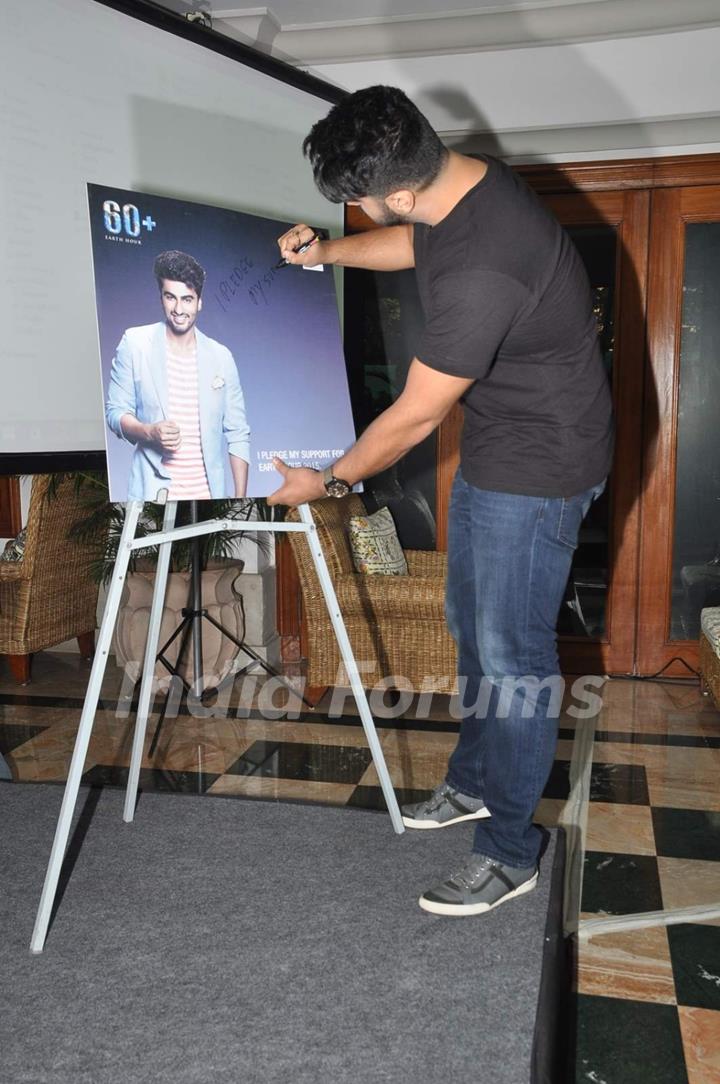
(481,884)
(445,806)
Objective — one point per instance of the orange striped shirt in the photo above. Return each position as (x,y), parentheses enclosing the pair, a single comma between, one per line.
(185,466)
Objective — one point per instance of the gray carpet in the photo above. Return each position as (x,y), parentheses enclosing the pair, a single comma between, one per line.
(221,940)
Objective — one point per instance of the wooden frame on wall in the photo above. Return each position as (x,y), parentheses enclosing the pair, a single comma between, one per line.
(10,514)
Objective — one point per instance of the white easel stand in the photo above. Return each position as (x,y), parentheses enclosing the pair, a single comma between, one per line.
(164,540)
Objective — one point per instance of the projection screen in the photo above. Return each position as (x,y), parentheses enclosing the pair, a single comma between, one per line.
(94,94)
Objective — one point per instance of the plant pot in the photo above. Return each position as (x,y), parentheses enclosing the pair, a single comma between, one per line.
(219,597)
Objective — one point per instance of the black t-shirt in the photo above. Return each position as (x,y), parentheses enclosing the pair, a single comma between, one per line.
(508,303)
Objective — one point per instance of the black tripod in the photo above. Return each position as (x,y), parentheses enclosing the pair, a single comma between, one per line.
(190,628)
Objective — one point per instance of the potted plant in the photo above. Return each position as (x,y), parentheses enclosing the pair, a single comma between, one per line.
(220,566)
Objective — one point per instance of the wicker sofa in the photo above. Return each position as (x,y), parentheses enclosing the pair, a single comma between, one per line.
(710,651)
(396,624)
(48,596)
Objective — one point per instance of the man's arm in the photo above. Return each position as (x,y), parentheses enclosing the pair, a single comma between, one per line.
(121,390)
(389,248)
(235,424)
(239,470)
(426,399)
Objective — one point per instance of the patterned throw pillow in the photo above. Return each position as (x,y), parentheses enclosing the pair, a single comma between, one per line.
(375,545)
(15,548)
(710,625)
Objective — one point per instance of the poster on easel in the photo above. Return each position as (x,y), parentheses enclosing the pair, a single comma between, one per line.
(214,359)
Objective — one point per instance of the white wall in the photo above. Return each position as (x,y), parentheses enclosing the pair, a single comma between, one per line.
(638,95)
(91,95)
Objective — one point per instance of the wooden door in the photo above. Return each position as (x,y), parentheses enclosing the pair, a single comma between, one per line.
(680,525)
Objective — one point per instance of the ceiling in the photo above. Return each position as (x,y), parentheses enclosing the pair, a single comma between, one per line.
(317,32)
(526,79)
(293,13)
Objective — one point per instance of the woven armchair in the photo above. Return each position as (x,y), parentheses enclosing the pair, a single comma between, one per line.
(395,623)
(47,597)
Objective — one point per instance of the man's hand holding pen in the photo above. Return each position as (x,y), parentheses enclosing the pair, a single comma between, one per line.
(303,246)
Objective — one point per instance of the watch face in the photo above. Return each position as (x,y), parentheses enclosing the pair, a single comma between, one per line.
(337,488)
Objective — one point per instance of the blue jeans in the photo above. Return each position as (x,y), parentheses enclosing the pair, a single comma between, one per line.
(509,559)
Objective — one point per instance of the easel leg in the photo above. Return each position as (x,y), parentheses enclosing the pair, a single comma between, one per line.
(151,646)
(87,719)
(352,670)
(198,682)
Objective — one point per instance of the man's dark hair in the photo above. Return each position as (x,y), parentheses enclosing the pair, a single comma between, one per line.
(372,143)
(179,267)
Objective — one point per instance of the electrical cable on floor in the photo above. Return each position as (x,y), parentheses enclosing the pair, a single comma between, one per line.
(661,680)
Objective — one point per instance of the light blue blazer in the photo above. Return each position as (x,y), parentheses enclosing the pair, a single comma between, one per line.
(138,386)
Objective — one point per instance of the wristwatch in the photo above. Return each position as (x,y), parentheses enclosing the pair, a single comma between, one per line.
(334,487)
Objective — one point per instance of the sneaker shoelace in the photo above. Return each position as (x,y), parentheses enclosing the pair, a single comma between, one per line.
(466,877)
(437,798)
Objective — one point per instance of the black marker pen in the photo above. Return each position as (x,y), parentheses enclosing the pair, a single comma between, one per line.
(303,248)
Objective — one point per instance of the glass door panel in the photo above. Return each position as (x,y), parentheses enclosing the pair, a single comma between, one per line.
(584,608)
(696,528)
(598,619)
(383,322)
(680,541)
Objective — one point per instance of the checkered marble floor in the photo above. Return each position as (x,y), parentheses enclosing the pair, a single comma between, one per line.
(648,1000)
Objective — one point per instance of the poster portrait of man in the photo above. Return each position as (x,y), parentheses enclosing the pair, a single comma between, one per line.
(199,329)
(174,393)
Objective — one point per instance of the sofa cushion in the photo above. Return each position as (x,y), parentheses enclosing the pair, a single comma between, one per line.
(710,625)
(375,545)
(15,548)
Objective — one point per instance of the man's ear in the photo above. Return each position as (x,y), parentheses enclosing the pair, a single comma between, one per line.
(199,304)
(401,202)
